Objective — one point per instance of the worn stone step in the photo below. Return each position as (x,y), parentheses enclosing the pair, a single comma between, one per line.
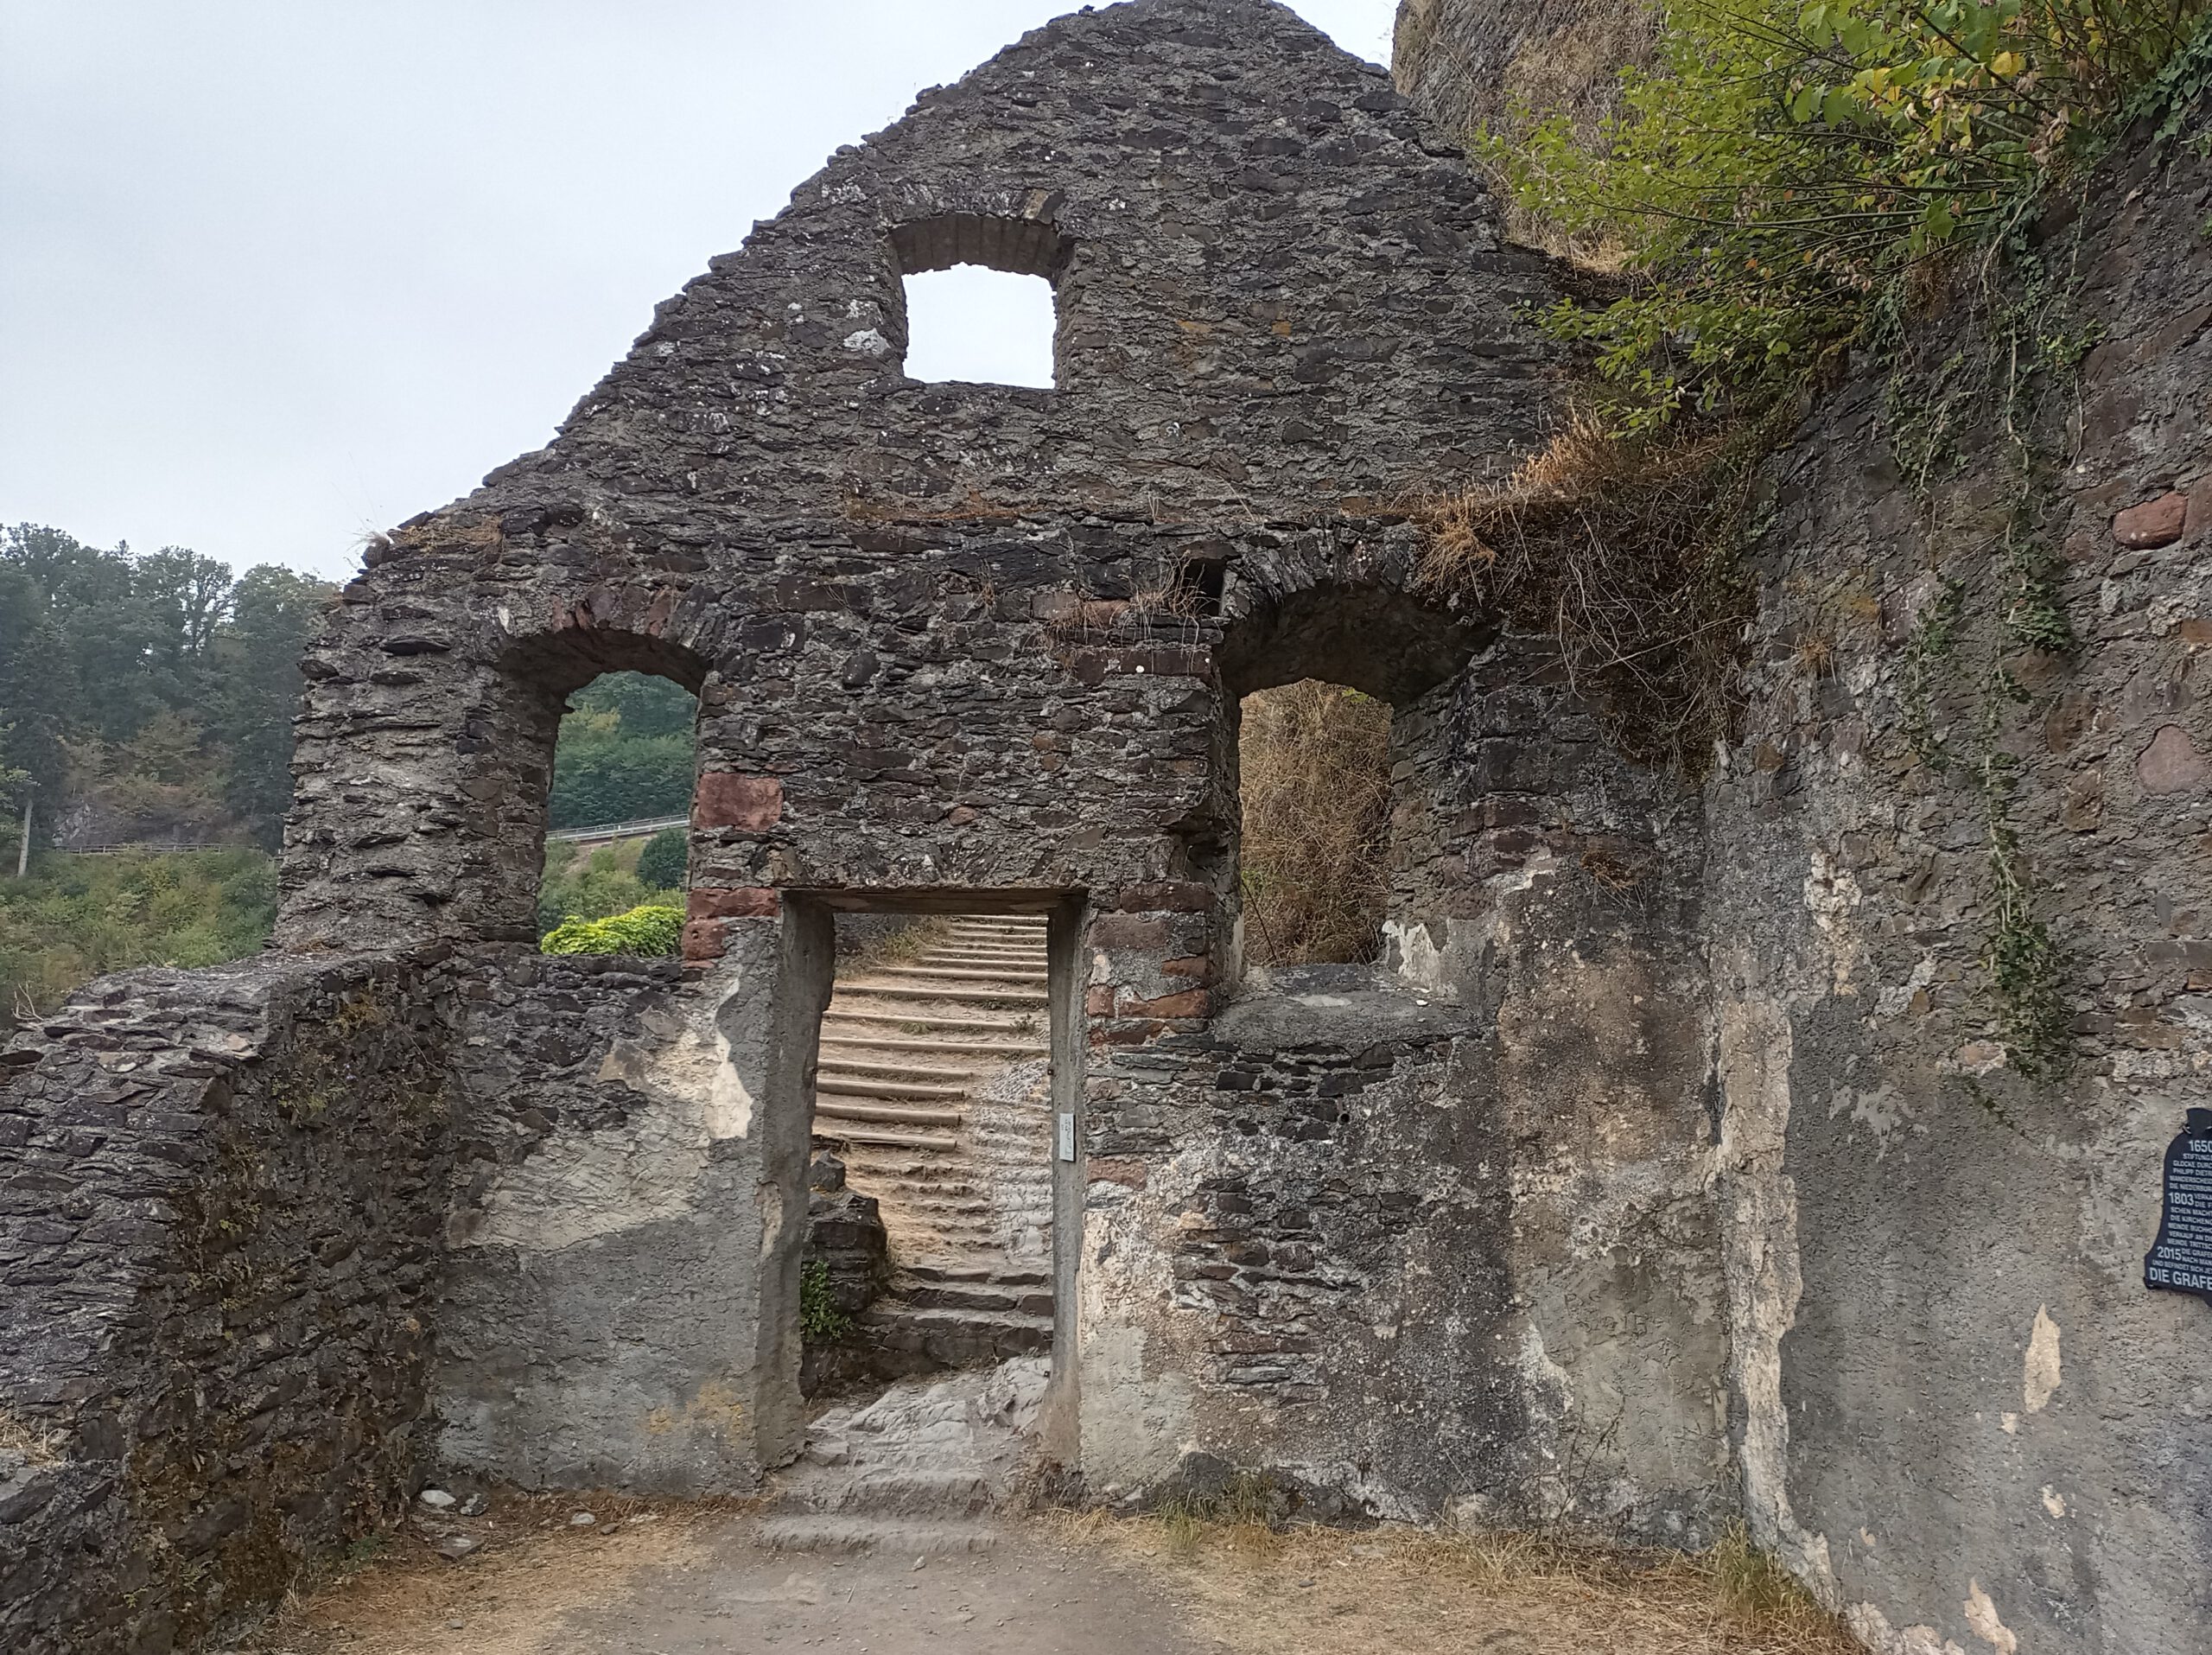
(907,1492)
(901,1069)
(827,1080)
(877,1168)
(948,1208)
(921,1021)
(956,1338)
(949,1184)
(856,1534)
(989,1295)
(938,974)
(1027,959)
(922,1047)
(976,1271)
(886,1137)
(885,1114)
(933,994)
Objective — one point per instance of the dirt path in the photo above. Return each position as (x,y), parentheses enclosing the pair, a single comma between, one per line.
(705,1585)
(690,1582)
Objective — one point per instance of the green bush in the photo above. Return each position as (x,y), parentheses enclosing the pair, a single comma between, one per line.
(652,930)
(819,1319)
(1782,170)
(666,859)
(592,887)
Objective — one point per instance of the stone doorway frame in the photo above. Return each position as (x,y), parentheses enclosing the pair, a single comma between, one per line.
(809,970)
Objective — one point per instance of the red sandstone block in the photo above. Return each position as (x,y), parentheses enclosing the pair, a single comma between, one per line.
(1133,1032)
(706,938)
(1192,1002)
(727,799)
(1099,1001)
(743,901)
(2171,764)
(2154,523)
(1128,931)
(1199,966)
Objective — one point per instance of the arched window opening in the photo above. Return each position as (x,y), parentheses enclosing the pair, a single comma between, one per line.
(987,326)
(1313,779)
(617,820)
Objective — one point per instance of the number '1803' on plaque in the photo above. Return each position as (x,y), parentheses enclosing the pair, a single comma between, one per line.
(2180,1260)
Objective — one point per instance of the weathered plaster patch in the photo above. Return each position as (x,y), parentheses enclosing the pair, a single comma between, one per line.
(1135,1427)
(1880,1110)
(1895,1000)
(1759,1202)
(2042,1366)
(1981,1616)
(644,1171)
(1410,949)
(1872,1629)
(1832,896)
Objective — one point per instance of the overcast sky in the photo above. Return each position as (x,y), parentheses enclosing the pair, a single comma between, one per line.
(274,274)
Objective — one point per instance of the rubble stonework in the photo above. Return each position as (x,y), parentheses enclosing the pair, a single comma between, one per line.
(1660,1172)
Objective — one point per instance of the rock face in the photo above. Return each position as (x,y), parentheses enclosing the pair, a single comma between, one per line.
(1666,1168)
(1469,63)
(847,1241)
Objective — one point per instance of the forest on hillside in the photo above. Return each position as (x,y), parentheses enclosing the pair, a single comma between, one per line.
(147,695)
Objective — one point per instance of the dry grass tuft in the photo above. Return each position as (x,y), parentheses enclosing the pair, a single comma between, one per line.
(1625,549)
(1314,763)
(36,1446)
(1325,1591)
(901,947)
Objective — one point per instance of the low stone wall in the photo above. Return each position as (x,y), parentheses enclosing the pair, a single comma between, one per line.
(1342,1274)
(220,1195)
(610,1315)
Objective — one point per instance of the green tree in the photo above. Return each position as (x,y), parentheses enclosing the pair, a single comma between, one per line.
(156,687)
(666,859)
(626,752)
(274,612)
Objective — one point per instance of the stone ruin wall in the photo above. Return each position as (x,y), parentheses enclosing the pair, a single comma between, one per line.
(1632,1191)
(1962,1408)
(220,1199)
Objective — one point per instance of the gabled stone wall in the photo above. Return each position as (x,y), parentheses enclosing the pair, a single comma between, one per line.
(1662,1170)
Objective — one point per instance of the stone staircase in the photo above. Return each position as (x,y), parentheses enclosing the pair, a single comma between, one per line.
(932,1089)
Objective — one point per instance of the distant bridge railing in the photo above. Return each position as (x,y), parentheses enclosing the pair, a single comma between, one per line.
(151,847)
(604,831)
(598,833)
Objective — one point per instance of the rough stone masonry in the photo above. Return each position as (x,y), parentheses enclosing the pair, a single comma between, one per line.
(1639,1186)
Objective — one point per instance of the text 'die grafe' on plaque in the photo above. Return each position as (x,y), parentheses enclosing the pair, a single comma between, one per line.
(2181,1259)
